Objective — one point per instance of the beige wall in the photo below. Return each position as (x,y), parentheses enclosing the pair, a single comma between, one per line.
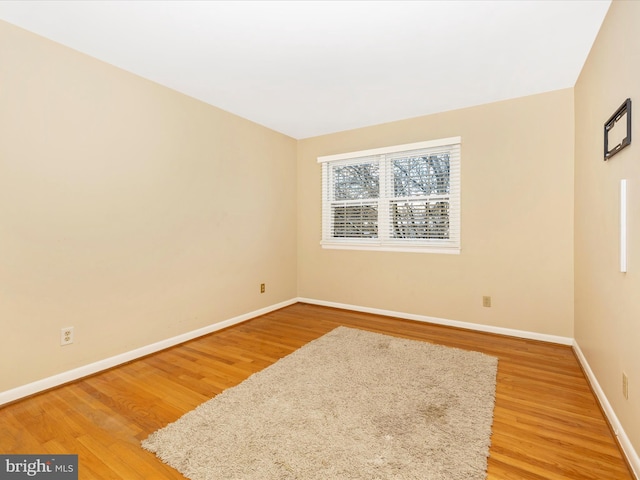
(517,221)
(128,211)
(607,310)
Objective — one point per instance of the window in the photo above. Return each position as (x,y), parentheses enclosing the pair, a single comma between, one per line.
(404,198)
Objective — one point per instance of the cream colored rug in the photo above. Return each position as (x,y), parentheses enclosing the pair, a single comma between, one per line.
(349,405)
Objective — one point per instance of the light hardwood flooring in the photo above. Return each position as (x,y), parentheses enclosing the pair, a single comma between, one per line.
(547,423)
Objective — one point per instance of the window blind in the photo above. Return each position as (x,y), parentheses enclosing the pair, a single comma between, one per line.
(395,198)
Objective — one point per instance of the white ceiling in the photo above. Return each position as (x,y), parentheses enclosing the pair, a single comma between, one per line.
(306,68)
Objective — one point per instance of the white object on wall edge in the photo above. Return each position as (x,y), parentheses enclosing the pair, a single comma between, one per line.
(623,225)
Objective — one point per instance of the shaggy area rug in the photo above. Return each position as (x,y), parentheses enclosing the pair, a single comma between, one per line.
(349,405)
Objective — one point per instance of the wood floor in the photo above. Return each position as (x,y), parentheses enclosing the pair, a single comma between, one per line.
(547,424)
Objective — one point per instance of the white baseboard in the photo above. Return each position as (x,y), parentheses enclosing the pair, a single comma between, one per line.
(443,321)
(92,368)
(625,443)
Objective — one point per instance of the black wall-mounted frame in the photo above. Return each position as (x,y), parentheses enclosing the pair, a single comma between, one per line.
(624,112)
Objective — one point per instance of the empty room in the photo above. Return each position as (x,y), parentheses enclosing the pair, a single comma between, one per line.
(320,239)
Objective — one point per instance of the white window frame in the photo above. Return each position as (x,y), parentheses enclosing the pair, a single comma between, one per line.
(384,242)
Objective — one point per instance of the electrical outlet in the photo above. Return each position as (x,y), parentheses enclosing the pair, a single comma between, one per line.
(262,288)
(486,301)
(625,386)
(66,336)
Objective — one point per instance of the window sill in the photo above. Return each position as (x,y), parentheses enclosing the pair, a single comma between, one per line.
(448,250)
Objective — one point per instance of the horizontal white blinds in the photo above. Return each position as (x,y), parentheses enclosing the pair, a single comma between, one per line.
(400,198)
(423,190)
